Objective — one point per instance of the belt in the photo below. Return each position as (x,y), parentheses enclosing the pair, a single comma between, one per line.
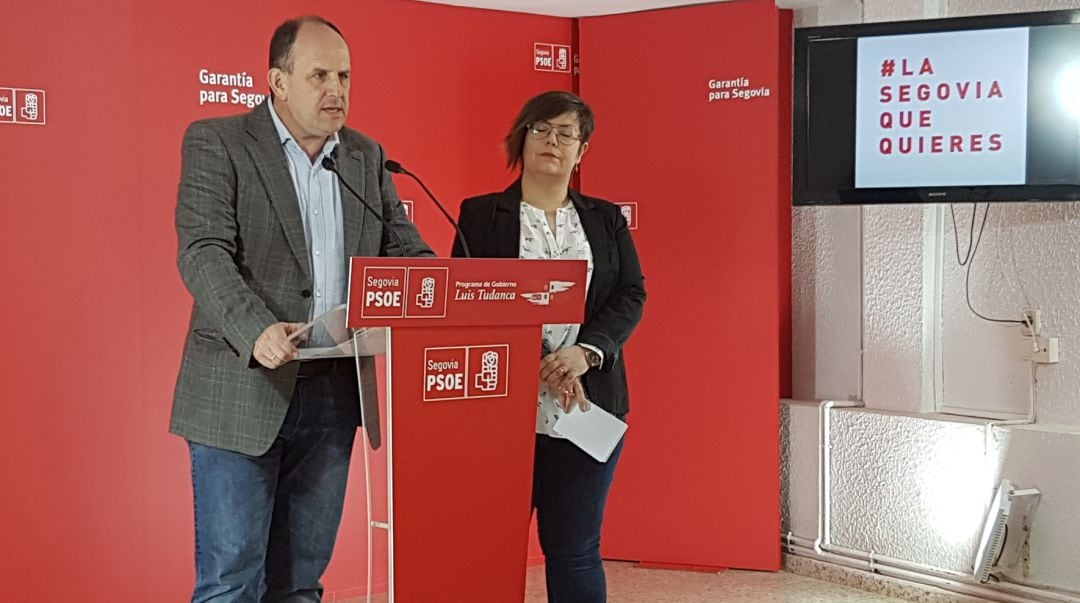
(317,368)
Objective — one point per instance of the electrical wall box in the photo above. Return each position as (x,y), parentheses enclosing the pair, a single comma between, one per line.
(1043,350)
(1033,318)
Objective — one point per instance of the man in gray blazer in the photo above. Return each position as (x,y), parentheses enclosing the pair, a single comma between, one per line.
(265,232)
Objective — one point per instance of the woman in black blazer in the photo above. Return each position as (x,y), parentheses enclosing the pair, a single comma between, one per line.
(539,216)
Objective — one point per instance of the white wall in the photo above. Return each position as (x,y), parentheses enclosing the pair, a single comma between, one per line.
(879,315)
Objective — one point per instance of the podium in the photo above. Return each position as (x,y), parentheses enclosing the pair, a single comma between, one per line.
(448,451)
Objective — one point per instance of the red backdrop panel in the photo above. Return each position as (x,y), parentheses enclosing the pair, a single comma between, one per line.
(699,481)
(71,439)
(783,195)
(97,494)
(97,497)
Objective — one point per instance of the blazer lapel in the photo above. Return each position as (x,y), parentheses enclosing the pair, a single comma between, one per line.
(505,228)
(593,224)
(353,214)
(273,169)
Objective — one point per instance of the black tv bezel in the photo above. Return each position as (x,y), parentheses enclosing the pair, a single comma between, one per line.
(803,36)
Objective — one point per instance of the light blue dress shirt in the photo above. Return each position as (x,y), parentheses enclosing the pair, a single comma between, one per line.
(320,208)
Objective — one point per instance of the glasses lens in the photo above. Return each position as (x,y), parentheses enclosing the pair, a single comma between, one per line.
(567,135)
(539,130)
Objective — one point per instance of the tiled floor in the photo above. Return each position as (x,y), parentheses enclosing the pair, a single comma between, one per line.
(628,583)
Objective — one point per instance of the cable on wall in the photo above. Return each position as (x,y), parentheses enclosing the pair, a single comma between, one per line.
(969,258)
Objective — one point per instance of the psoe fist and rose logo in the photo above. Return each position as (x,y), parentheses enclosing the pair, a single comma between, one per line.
(463,372)
(22,106)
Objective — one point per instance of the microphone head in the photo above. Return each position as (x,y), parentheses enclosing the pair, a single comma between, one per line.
(395,167)
(328,161)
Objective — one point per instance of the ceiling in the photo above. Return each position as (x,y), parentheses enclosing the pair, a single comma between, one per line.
(589,8)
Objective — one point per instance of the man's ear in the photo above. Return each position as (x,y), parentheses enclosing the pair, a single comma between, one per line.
(275,78)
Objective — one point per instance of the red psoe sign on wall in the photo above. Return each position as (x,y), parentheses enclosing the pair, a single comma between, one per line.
(551,57)
(22,106)
(629,211)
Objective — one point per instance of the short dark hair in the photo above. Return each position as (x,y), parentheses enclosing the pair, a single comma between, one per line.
(542,107)
(281,43)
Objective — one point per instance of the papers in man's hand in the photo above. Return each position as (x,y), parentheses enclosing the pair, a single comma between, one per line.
(596,431)
(327,336)
(344,350)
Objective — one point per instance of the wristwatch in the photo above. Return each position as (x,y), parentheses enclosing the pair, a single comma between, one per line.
(591,357)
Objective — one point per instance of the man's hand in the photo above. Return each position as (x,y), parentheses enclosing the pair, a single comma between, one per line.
(273,348)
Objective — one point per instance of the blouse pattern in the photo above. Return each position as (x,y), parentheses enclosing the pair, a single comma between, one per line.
(568,242)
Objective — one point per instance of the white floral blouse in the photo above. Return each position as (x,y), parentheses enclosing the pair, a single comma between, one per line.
(568,242)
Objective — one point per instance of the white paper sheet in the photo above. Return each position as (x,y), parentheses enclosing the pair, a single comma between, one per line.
(596,431)
(330,331)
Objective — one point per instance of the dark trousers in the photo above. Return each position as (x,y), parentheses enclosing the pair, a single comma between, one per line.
(570,490)
(265,526)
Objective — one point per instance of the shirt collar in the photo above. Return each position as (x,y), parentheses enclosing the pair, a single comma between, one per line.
(286,136)
(559,210)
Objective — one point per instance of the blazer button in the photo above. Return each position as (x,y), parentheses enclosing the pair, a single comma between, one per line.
(305,293)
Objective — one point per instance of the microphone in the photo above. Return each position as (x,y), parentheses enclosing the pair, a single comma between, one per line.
(330,163)
(397,168)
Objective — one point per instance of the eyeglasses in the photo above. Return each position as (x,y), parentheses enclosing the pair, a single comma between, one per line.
(566,135)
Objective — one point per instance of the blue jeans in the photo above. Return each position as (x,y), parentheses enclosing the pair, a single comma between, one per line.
(570,490)
(265,526)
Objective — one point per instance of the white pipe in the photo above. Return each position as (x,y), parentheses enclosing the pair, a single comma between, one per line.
(891,572)
(824,465)
(951,581)
(874,558)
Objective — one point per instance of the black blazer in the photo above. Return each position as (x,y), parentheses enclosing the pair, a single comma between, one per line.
(492,228)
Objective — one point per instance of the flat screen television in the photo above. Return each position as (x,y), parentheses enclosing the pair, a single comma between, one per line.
(946,110)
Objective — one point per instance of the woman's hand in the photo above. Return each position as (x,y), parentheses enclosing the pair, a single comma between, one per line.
(572,395)
(560,368)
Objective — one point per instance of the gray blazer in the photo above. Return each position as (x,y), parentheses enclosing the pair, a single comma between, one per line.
(244,258)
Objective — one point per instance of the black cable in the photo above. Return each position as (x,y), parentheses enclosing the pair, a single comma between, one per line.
(973,248)
(329,163)
(397,168)
(971,234)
